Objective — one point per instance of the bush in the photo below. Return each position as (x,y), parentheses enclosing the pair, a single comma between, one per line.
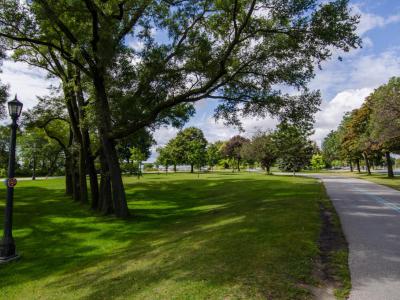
(317,162)
(130,168)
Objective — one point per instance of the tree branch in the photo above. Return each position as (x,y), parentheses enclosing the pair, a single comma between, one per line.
(54,16)
(134,19)
(95,24)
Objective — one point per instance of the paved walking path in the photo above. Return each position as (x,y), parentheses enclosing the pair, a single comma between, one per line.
(370,216)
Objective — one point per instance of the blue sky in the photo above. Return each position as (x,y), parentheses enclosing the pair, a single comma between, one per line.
(344,84)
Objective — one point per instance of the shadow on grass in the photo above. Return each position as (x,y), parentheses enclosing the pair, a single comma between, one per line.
(220,236)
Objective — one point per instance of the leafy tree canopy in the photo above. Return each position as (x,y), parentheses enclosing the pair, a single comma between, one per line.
(262,149)
(295,150)
(236,51)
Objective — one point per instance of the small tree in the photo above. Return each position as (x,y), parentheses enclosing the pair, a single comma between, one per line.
(317,162)
(188,146)
(213,154)
(261,149)
(295,150)
(232,149)
(164,158)
(197,155)
(331,148)
(137,157)
(38,153)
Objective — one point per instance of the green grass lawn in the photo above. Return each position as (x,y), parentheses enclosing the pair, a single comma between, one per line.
(222,236)
(381,179)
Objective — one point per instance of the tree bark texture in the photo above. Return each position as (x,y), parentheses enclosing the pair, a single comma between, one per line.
(103,115)
(389,164)
(367,165)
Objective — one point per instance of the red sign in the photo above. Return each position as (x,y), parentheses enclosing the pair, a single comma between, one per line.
(11,182)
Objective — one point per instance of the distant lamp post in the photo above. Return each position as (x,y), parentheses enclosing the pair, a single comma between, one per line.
(7,247)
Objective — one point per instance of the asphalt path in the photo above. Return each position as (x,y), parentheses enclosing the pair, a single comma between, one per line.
(370,217)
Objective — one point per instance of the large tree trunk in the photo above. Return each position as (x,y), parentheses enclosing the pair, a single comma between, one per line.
(52,165)
(367,165)
(71,103)
(358,165)
(105,204)
(94,184)
(91,169)
(82,176)
(118,191)
(191,168)
(34,167)
(68,175)
(351,166)
(389,164)
(103,116)
(85,138)
(75,182)
(268,168)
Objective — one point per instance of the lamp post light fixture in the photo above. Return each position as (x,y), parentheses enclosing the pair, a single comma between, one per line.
(7,247)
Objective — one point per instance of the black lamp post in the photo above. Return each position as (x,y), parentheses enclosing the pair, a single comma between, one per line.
(7,248)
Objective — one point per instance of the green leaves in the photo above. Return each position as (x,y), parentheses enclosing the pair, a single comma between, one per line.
(295,150)
(241,52)
(385,116)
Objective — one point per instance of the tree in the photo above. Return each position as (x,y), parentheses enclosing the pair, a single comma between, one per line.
(384,102)
(349,149)
(176,152)
(331,148)
(228,51)
(232,149)
(196,154)
(357,135)
(3,88)
(214,154)
(4,146)
(137,157)
(164,158)
(317,162)
(295,150)
(60,123)
(142,140)
(4,130)
(38,153)
(261,149)
(189,147)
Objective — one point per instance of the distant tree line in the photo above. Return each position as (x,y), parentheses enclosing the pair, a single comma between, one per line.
(368,135)
(288,147)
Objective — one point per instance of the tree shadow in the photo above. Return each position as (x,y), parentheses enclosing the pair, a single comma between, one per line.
(226,237)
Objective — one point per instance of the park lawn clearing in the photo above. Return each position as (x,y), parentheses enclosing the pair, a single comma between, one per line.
(220,236)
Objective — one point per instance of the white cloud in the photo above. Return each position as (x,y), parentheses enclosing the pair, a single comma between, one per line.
(26,82)
(374,70)
(370,21)
(350,82)
(164,134)
(332,112)
(357,72)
